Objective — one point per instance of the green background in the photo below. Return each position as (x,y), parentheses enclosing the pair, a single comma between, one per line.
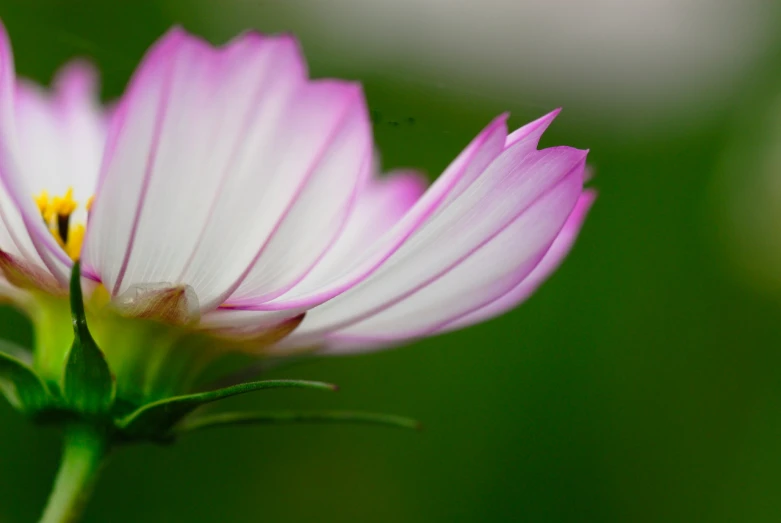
(642,383)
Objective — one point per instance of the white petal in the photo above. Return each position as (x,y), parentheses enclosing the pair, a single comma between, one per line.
(14,238)
(509,187)
(62,135)
(488,273)
(44,138)
(383,202)
(321,285)
(209,152)
(553,258)
(318,212)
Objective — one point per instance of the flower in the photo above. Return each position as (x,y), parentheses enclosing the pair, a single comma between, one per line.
(228,207)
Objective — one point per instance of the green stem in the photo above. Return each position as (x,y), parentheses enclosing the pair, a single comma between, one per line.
(84,450)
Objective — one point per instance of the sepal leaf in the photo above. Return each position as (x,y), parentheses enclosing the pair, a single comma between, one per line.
(88,385)
(22,387)
(278,417)
(158,418)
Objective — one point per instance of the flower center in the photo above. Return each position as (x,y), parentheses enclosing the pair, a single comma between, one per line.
(56,213)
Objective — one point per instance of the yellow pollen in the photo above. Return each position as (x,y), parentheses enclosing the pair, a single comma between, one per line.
(65,205)
(56,213)
(42,201)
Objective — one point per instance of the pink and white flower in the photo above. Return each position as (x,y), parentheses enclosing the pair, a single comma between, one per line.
(235,198)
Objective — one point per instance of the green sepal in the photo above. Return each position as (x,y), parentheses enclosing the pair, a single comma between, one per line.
(278,417)
(156,419)
(88,385)
(21,386)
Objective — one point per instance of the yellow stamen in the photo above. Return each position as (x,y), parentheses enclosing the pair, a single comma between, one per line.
(90,200)
(65,205)
(42,201)
(56,213)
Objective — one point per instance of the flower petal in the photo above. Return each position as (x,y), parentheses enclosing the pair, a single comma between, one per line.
(242,133)
(15,175)
(60,136)
(493,269)
(14,238)
(519,203)
(318,211)
(70,126)
(319,286)
(380,206)
(474,304)
(382,202)
(553,258)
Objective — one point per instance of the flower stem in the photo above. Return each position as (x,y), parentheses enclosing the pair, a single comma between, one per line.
(84,450)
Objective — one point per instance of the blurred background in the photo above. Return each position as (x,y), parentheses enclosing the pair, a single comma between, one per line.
(641,383)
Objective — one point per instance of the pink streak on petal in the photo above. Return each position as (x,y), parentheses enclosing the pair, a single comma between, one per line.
(349,343)
(537,127)
(68,124)
(264,159)
(272,161)
(464,170)
(362,307)
(167,46)
(355,93)
(250,39)
(523,271)
(157,53)
(11,173)
(522,291)
(383,202)
(17,241)
(429,204)
(319,260)
(94,254)
(380,205)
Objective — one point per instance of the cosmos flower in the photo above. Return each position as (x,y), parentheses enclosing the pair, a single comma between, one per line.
(229,205)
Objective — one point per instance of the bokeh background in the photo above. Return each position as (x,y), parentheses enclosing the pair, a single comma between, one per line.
(642,383)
